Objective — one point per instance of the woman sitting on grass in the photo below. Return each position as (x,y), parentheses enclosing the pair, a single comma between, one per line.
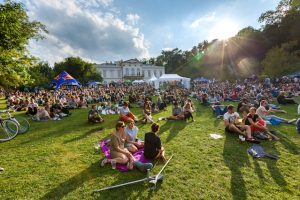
(132,143)
(257,124)
(120,154)
(153,147)
(147,111)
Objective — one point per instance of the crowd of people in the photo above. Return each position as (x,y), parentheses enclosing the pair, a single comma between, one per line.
(258,103)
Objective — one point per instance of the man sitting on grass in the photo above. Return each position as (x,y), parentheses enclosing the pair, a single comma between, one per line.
(178,114)
(231,119)
(94,115)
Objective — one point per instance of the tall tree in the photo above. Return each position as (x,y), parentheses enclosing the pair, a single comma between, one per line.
(15,32)
(41,74)
(81,70)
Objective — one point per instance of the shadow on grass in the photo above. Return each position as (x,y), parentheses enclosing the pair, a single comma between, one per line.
(73,183)
(235,157)
(92,172)
(289,145)
(90,132)
(132,191)
(174,128)
(272,167)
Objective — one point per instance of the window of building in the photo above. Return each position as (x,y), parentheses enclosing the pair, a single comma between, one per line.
(161,72)
(104,73)
(138,71)
(149,73)
(119,74)
(127,72)
(132,72)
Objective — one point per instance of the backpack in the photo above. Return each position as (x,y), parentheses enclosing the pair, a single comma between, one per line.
(257,151)
(260,136)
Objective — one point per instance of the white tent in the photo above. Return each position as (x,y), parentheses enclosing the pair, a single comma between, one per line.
(138,82)
(152,79)
(175,77)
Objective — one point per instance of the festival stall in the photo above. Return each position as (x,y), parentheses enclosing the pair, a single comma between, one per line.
(175,77)
(64,79)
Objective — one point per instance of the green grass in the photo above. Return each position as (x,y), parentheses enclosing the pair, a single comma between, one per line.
(57,160)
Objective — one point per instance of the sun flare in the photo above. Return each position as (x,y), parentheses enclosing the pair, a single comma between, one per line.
(225,29)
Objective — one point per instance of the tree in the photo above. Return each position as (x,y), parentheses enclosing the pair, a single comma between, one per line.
(281,60)
(15,31)
(41,74)
(81,70)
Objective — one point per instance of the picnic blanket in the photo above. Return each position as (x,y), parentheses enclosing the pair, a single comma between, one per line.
(139,155)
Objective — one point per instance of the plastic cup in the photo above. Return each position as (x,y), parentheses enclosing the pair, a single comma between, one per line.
(97,146)
(113,164)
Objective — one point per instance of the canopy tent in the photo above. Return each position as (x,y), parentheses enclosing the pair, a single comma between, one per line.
(175,77)
(93,83)
(64,78)
(153,81)
(138,81)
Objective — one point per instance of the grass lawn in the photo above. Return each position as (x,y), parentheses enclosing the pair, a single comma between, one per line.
(57,160)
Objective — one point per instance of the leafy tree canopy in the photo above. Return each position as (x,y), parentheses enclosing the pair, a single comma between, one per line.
(15,32)
(81,70)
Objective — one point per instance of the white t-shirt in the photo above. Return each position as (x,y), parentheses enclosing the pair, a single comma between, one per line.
(124,111)
(131,133)
(261,111)
(231,117)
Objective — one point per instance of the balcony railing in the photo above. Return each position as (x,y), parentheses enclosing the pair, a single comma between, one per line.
(140,77)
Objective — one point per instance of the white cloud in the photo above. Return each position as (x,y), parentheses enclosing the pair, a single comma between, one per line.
(133,18)
(86,29)
(207,18)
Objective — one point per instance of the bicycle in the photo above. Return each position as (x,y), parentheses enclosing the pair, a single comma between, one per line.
(22,123)
(8,129)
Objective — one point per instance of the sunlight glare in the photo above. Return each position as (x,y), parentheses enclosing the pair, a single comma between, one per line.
(224,29)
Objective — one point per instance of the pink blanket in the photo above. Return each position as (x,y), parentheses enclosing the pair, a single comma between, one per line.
(139,155)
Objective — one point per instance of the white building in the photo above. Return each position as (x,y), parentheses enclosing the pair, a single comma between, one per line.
(128,70)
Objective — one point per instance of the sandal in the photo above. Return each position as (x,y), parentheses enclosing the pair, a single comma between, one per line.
(130,165)
(104,161)
(252,140)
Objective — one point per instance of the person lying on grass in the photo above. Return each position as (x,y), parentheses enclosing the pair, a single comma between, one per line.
(152,143)
(126,115)
(263,113)
(94,115)
(118,152)
(131,142)
(219,110)
(231,119)
(257,124)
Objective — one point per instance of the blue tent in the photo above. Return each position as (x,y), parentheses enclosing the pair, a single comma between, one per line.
(64,78)
(93,83)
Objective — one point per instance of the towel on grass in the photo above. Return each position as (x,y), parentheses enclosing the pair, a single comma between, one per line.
(139,155)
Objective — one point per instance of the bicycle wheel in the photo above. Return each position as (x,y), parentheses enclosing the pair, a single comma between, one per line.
(8,130)
(23,124)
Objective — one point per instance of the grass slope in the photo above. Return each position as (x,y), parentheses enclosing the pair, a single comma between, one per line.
(57,160)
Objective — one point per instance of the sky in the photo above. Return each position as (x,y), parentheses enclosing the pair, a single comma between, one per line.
(111,30)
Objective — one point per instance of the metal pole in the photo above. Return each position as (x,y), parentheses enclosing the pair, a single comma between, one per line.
(120,185)
(157,175)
